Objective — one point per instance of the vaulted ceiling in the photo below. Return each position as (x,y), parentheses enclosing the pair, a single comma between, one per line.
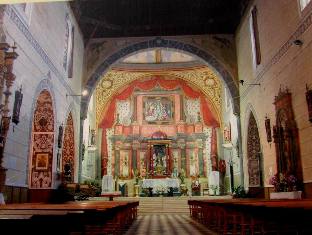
(128,18)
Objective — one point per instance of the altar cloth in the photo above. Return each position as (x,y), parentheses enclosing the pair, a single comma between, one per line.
(160,184)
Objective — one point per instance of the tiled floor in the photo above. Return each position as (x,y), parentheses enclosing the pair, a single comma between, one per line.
(168,224)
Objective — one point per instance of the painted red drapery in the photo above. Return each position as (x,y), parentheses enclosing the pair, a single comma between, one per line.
(146,85)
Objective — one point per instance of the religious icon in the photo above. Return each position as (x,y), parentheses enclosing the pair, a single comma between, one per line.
(42,161)
(159,159)
(157,109)
(17,106)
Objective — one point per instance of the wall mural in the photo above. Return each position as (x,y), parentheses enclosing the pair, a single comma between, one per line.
(253,153)
(191,110)
(124,112)
(158,110)
(193,163)
(42,142)
(114,81)
(68,152)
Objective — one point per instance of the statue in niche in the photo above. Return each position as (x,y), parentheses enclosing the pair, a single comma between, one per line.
(125,166)
(159,159)
(193,165)
(92,142)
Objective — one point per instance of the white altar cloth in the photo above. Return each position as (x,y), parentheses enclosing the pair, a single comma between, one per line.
(160,184)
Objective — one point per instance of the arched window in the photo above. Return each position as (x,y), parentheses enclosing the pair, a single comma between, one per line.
(304,3)
(69,46)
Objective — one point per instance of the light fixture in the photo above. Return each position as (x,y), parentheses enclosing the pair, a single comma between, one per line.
(298,42)
(83,93)
(249,84)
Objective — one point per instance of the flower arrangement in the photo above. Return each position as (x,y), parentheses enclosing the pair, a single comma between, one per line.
(137,176)
(284,183)
(161,189)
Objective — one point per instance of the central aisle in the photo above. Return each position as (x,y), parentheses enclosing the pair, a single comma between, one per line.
(168,224)
(166,216)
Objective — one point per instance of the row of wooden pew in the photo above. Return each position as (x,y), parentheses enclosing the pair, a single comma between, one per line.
(251,216)
(89,217)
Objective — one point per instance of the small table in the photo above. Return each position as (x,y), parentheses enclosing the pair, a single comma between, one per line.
(111,195)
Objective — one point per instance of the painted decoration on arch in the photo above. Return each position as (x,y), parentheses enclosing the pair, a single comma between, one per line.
(68,151)
(42,142)
(158,109)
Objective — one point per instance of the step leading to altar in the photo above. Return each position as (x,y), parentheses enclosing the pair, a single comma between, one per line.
(164,205)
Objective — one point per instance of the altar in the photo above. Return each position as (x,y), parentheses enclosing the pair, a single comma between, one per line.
(159,185)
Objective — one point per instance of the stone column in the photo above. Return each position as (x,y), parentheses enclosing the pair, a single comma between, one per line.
(240,149)
(80,149)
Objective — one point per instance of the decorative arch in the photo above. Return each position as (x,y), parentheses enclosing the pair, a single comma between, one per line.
(254,153)
(158,42)
(42,142)
(68,151)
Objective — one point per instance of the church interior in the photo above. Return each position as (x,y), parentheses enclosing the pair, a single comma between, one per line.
(156,117)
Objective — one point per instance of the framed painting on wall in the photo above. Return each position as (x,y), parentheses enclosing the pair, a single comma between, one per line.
(42,161)
(158,109)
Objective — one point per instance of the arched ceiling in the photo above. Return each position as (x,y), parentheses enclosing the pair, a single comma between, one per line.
(200,78)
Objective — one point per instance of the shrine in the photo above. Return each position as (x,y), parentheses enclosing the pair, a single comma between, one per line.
(159,127)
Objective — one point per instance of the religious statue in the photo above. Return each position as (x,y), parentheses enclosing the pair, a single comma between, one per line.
(92,142)
(175,172)
(159,159)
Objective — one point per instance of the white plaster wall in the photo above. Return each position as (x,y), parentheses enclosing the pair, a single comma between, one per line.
(45,29)
(229,151)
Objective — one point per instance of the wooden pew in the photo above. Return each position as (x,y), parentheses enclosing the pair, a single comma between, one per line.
(75,217)
(248,216)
